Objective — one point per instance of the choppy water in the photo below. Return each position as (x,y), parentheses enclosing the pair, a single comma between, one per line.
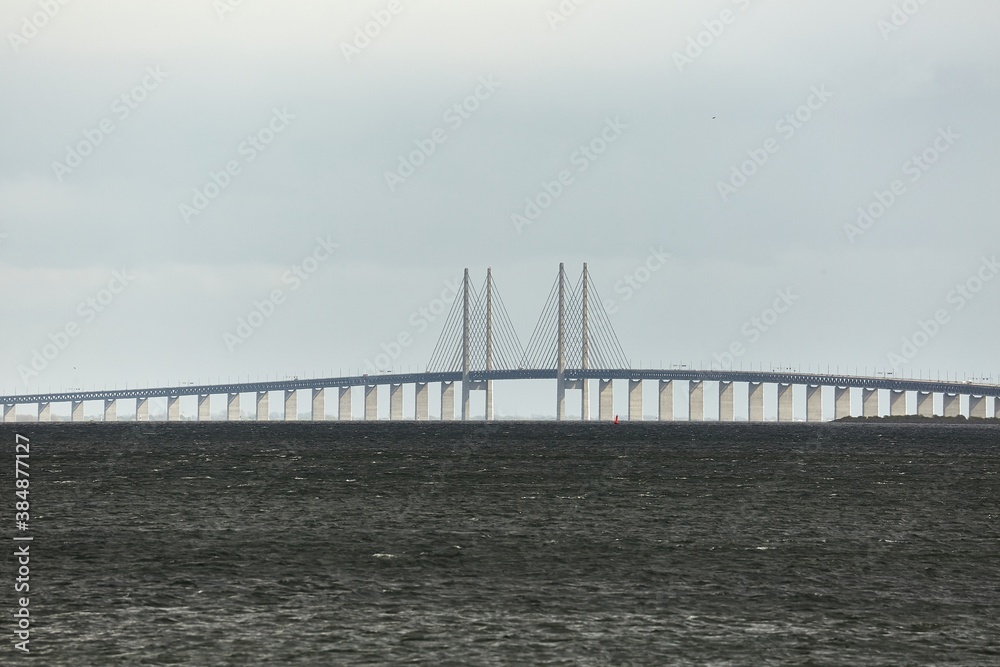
(520,543)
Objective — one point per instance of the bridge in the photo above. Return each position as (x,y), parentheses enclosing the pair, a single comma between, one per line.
(573,343)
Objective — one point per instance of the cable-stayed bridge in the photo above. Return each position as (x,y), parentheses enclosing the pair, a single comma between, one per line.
(573,343)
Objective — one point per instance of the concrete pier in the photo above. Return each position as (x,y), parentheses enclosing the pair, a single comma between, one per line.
(952,405)
(204,408)
(447,401)
(371,402)
(318,405)
(263,406)
(785,404)
(727,407)
(977,406)
(233,407)
(869,402)
(421,397)
(142,409)
(585,401)
(9,413)
(996,407)
(44,412)
(925,403)
(77,411)
(635,400)
(666,413)
(606,400)
(814,403)
(696,401)
(755,401)
(344,408)
(111,410)
(897,402)
(395,402)
(291,405)
(173,408)
(489,400)
(841,402)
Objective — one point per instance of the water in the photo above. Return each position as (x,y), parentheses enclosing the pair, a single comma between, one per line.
(519,543)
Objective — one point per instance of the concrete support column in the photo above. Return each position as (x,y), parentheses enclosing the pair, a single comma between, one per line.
(996,407)
(447,401)
(173,408)
(755,401)
(869,402)
(345,411)
(696,401)
(142,409)
(952,405)
(925,403)
(727,407)
(318,404)
(9,413)
(371,402)
(77,411)
(785,403)
(841,402)
(44,412)
(291,405)
(897,403)
(233,407)
(585,401)
(977,406)
(814,403)
(606,400)
(111,410)
(396,402)
(421,393)
(666,413)
(263,406)
(489,400)
(635,400)
(204,408)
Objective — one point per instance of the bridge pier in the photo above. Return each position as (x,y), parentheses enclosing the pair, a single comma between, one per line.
(173,408)
(110,410)
(291,405)
(925,403)
(77,411)
(814,403)
(869,402)
(489,400)
(44,412)
(785,405)
(584,401)
(606,400)
(420,397)
(666,412)
(635,400)
(996,407)
(142,409)
(755,401)
(977,407)
(952,405)
(696,401)
(233,407)
(371,402)
(395,402)
(727,407)
(263,410)
(9,413)
(841,402)
(204,407)
(344,408)
(447,401)
(318,404)
(897,402)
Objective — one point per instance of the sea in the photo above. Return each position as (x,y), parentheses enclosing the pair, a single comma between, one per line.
(505,543)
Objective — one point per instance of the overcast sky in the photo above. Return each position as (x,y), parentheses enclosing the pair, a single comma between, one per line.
(291,124)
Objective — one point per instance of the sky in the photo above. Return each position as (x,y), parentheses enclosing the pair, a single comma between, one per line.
(168,169)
